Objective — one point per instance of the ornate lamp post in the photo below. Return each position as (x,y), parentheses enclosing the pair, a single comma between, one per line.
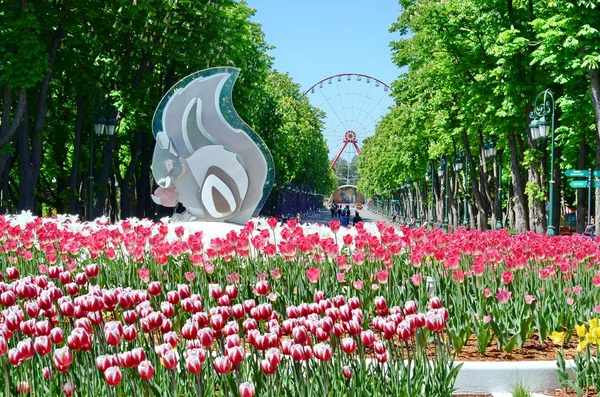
(443,172)
(540,126)
(460,163)
(99,125)
(428,178)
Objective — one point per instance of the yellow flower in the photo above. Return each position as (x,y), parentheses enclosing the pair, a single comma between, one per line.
(593,323)
(558,338)
(581,346)
(591,337)
(580,330)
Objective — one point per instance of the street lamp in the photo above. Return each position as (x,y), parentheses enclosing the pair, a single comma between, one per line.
(540,127)
(491,153)
(99,126)
(460,163)
(443,172)
(429,177)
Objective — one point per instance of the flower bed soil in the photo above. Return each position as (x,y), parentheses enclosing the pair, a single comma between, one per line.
(532,350)
(570,393)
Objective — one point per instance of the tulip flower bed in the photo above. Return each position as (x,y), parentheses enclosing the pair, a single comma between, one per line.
(150,309)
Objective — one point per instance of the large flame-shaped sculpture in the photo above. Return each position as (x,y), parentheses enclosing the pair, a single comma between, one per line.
(206,157)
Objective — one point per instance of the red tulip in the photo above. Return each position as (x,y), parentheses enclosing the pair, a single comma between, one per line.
(170,359)
(28,327)
(25,348)
(367,338)
(57,336)
(171,338)
(410,307)
(268,367)
(236,355)
(206,337)
(435,303)
(193,365)
(63,357)
(222,365)
(112,375)
(154,288)
(313,274)
(12,273)
(3,346)
(145,369)
(297,352)
(262,288)
(217,322)
(127,360)
(43,328)
(42,345)
(68,389)
(184,291)
(14,357)
(113,336)
(379,347)
(347,371)
(129,333)
(47,372)
(322,351)
(65,277)
(81,279)
(216,291)
(348,345)
(92,270)
(231,291)
(404,331)
(8,298)
(72,289)
(173,297)
(23,388)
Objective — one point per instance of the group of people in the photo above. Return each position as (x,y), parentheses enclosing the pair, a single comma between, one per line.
(344,214)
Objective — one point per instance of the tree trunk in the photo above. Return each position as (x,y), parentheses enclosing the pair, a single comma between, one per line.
(102,178)
(479,206)
(484,184)
(74,201)
(145,206)
(581,194)
(110,148)
(8,128)
(595,92)
(30,161)
(125,182)
(521,220)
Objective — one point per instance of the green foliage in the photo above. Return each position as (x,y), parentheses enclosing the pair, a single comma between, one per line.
(133,52)
(474,69)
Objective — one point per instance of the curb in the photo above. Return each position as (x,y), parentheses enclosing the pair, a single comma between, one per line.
(499,377)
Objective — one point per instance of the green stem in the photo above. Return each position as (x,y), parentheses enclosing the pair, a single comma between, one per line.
(6,379)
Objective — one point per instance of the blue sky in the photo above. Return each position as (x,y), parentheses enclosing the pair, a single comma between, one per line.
(315,39)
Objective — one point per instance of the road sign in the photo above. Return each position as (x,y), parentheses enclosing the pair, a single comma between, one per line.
(597,185)
(581,173)
(579,184)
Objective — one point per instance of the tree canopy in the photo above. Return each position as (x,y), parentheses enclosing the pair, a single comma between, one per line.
(66,62)
(473,71)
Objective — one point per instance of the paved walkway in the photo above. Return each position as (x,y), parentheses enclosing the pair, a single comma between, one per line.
(325,216)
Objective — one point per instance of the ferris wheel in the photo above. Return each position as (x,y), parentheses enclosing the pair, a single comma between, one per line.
(353,105)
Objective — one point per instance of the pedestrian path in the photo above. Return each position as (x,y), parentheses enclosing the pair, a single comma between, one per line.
(325,216)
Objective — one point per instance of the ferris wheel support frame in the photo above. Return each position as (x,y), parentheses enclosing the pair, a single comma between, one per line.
(349,137)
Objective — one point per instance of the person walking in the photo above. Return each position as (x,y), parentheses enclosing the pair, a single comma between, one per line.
(332,209)
(356,218)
